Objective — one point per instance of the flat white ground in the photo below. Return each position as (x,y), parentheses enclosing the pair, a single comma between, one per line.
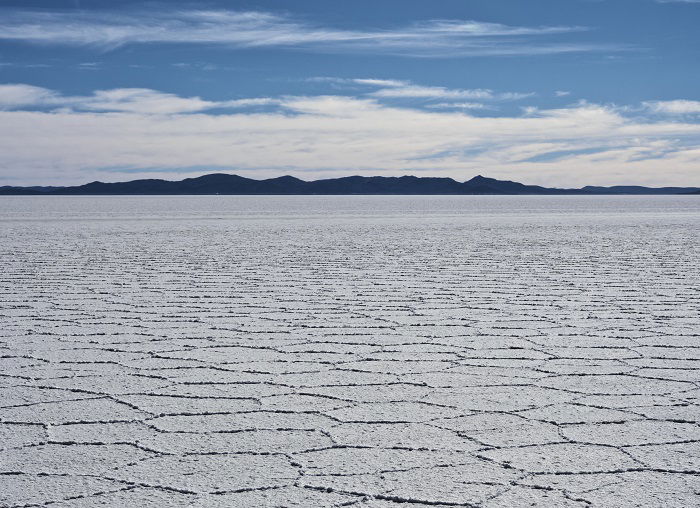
(365,352)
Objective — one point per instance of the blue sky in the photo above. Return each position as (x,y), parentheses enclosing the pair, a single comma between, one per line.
(555,92)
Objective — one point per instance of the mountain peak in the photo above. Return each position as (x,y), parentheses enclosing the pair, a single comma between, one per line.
(286,178)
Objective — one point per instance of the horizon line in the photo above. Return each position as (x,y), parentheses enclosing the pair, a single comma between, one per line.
(289,176)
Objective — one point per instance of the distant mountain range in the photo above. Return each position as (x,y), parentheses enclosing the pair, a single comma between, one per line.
(234,184)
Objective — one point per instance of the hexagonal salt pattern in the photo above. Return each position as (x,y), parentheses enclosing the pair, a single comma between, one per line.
(376,352)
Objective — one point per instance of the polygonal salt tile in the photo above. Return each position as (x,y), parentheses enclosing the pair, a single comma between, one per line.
(671,353)
(578,367)
(522,497)
(222,355)
(99,433)
(616,385)
(257,420)
(38,490)
(499,429)
(514,353)
(74,411)
(210,473)
(154,365)
(350,461)
(516,371)
(504,398)
(14,436)
(203,375)
(302,402)
(562,458)
(670,457)
(576,413)
(256,441)
(336,377)
(455,380)
(464,484)
(431,489)
(678,411)
(399,435)
(644,489)
(401,367)
(113,384)
(690,375)
(631,402)
(14,364)
(611,351)
(373,393)
(165,404)
(636,432)
(575,484)
(243,390)
(363,485)
(279,367)
(85,355)
(379,412)
(20,395)
(283,496)
(131,496)
(79,459)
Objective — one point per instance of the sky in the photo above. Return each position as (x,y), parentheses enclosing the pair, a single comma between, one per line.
(552,92)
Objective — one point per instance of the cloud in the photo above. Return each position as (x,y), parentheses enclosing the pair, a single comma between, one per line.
(127,100)
(148,101)
(140,100)
(251,29)
(431,92)
(514,96)
(677,107)
(401,89)
(562,93)
(380,82)
(19,95)
(144,100)
(460,105)
(322,136)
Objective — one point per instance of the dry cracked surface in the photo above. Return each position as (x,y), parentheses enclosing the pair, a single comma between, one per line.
(374,361)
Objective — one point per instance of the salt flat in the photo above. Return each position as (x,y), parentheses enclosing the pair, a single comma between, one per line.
(350,351)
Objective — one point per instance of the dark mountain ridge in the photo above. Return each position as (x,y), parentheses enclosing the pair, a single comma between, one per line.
(219,183)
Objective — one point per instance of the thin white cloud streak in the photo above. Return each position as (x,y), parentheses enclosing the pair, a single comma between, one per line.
(237,29)
(431,92)
(331,135)
(128,100)
(401,89)
(380,82)
(459,105)
(677,107)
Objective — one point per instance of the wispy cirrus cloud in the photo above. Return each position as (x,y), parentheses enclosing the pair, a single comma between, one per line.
(402,89)
(460,105)
(251,29)
(677,107)
(127,100)
(431,92)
